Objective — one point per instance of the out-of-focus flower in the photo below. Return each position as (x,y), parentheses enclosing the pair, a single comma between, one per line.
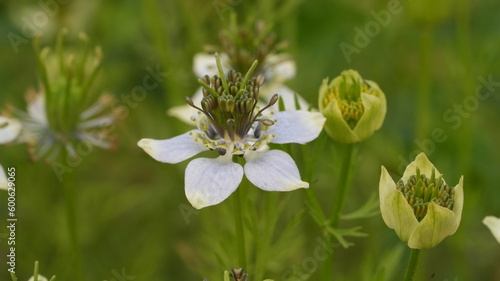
(493,223)
(58,115)
(40,278)
(240,46)
(9,129)
(230,122)
(3,179)
(354,108)
(421,207)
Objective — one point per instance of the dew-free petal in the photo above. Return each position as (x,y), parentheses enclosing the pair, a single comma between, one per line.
(439,223)
(296,126)
(273,170)
(9,129)
(493,223)
(3,179)
(210,181)
(173,150)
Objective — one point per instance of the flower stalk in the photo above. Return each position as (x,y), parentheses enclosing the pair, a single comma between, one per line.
(412,265)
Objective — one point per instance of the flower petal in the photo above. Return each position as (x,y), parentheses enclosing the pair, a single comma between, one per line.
(438,223)
(397,214)
(335,125)
(386,186)
(373,116)
(36,109)
(493,223)
(3,179)
(210,181)
(425,166)
(296,126)
(185,112)
(273,170)
(204,64)
(40,278)
(173,150)
(9,129)
(279,68)
(289,97)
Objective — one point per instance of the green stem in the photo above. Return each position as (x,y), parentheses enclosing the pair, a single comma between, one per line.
(69,200)
(269,220)
(343,183)
(412,265)
(343,186)
(238,223)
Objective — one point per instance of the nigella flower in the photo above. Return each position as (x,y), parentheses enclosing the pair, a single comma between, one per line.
(230,122)
(9,129)
(56,116)
(240,46)
(421,207)
(3,179)
(493,223)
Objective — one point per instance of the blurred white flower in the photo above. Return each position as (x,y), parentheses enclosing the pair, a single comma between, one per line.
(493,223)
(230,123)
(46,139)
(9,129)
(240,46)
(3,179)
(40,278)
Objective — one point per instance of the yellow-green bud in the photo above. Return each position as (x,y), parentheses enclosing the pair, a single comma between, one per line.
(421,207)
(354,107)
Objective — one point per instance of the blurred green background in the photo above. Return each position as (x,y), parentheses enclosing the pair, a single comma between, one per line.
(130,207)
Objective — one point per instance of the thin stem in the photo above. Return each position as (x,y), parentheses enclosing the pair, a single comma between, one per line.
(69,200)
(412,265)
(343,184)
(238,223)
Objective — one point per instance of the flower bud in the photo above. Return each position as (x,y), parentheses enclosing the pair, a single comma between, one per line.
(421,207)
(354,107)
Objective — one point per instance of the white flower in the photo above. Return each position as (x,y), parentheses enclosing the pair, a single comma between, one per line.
(421,207)
(493,223)
(276,70)
(3,179)
(230,124)
(9,129)
(33,127)
(40,278)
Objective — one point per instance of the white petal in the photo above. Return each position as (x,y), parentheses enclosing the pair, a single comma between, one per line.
(3,179)
(288,96)
(296,126)
(173,150)
(273,170)
(9,129)
(210,181)
(185,112)
(493,223)
(40,278)
(279,68)
(204,64)
(36,109)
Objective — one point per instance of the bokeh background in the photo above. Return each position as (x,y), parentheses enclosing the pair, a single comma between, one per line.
(130,208)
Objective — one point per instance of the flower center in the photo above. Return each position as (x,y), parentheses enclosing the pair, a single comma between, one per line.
(347,89)
(229,111)
(419,191)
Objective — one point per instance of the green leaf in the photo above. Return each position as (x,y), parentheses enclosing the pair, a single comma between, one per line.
(340,233)
(369,209)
